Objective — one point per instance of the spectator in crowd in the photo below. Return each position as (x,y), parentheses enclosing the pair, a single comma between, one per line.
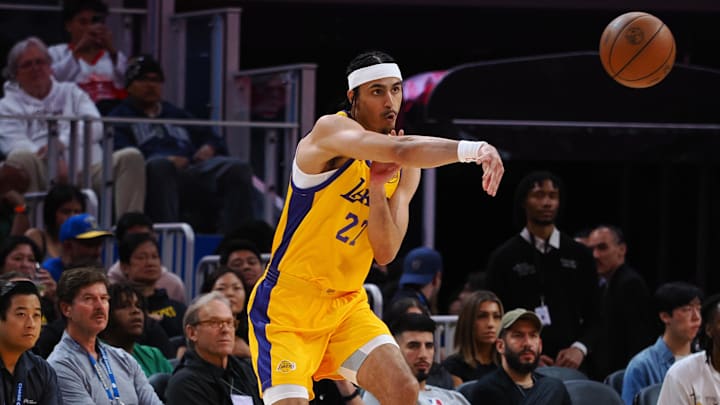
(415,334)
(31,91)
(18,255)
(137,222)
(90,59)
(209,373)
(140,262)
(90,371)
(438,376)
(82,242)
(187,171)
(678,307)
(421,277)
(515,381)
(125,326)
(696,378)
(625,303)
(24,376)
(229,283)
(475,336)
(544,269)
(60,203)
(243,256)
(14,182)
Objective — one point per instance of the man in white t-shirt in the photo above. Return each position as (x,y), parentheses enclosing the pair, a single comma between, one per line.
(695,379)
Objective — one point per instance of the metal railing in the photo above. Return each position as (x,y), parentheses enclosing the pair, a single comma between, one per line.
(107,143)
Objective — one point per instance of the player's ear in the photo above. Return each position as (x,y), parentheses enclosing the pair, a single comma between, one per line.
(350,94)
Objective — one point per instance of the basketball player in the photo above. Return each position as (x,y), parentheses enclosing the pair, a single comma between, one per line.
(348,202)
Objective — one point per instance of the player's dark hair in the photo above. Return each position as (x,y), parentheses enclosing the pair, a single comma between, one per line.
(364,60)
(523,190)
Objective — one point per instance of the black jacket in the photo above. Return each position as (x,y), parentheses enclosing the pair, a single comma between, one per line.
(38,378)
(195,381)
(497,388)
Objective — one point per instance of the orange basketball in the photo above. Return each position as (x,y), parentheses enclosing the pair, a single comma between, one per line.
(637,49)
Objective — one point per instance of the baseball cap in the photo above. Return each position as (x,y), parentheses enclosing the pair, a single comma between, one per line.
(519,313)
(420,266)
(140,66)
(82,226)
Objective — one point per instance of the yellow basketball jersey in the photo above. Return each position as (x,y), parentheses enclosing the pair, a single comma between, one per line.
(321,236)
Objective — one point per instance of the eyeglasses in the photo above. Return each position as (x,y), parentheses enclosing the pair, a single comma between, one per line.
(219,323)
(39,62)
(23,285)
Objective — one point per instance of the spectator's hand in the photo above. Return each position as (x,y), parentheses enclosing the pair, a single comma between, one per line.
(49,285)
(179,161)
(204,153)
(13,198)
(546,361)
(103,38)
(571,357)
(87,42)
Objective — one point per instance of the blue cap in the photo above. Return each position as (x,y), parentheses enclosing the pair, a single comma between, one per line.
(82,226)
(420,266)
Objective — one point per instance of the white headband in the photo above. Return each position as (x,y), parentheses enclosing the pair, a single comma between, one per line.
(373,72)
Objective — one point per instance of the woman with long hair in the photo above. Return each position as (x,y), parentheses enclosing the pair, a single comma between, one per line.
(475,336)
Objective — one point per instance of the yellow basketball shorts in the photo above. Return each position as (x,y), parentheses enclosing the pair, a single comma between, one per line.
(300,332)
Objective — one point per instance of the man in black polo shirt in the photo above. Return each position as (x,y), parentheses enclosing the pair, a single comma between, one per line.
(26,377)
(546,271)
(516,382)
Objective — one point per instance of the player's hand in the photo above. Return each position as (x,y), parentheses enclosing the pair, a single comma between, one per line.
(382,172)
(493,168)
(571,357)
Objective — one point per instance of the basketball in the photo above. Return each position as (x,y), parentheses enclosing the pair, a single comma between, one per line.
(637,50)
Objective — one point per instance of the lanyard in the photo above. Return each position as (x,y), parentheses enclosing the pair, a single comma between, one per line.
(19,394)
(114,395)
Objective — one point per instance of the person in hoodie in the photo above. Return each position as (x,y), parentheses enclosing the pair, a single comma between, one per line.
(31,90)
(208,373)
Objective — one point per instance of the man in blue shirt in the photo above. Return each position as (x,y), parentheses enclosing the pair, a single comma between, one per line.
(678,305)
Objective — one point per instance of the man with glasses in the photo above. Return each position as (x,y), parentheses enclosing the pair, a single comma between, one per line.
(89,371)
(30,91)
(26,377)
(208,373)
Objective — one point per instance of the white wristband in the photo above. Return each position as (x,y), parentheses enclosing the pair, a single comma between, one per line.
(468,151)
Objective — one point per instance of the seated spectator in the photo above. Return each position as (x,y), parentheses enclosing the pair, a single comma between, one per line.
(137,222)
(17,257)
(208,373)
(82,243)
(415,334)
(88,370)
(696,378)
(421,277)
(125,326)
(30,91)
(515,381)
(243,256)
(190,179)
(678,308)
(475,336)
(90,58)
(14,182)
(24,376)
(140,262)
(228,282)
(60,203)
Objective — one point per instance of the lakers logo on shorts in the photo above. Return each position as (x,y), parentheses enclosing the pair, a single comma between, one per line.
(285,366)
